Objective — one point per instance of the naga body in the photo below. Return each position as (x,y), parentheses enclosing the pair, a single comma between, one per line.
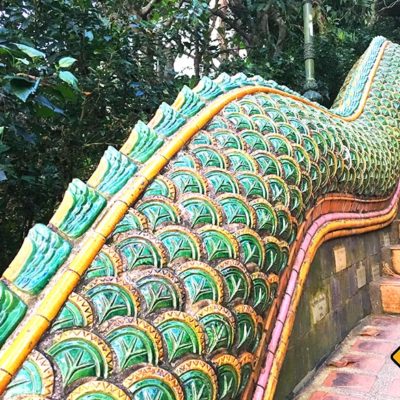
(175,271)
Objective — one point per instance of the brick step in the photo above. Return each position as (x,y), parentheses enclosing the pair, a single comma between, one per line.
(390,294)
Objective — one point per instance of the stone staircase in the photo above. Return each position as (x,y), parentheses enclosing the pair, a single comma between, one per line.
(350,279)
(361,368)
(388,300)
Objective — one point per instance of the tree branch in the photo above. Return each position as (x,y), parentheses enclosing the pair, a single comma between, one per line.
(392,8)
(233,24)
(146,10)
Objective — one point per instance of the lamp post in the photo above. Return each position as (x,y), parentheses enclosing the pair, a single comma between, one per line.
(310,86)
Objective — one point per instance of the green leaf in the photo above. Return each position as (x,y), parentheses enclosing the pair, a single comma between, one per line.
(66,92)
(46,103)
(30,51)
(21,87)
(5,50)
(89,35)
(23,61)
(66,62)
(68,77)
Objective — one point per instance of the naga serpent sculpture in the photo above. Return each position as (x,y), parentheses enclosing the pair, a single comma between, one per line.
(176,270)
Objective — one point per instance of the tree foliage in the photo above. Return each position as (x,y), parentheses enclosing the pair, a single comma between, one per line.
(75,75)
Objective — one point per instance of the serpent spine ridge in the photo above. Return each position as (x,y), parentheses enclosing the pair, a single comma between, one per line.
(181,300)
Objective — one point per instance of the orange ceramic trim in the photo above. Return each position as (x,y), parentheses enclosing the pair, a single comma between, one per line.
(329,203)
(326,232)
(335,202)
(35,324)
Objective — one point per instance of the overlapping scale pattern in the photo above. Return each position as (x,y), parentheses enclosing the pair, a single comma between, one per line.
(174,306)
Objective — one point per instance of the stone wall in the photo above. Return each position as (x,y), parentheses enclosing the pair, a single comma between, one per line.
(341,289)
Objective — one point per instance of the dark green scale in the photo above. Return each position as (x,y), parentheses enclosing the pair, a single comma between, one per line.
(291,171)
(327,136)
(268,163)
(180,339)
(296,205)
(290,133)
(288,111)
(101,266)
(275,114)
(306,187)
(332,163)
(209,157)
(299,126)
(158,293)
(139,251)
(228,140)
(321,142)
(245,331)
(273,256)
(284,257)
(315,175)
(201,138)
(217,245)
(279,190)
(157,188)
(240,161)
(70,316)
(228,382)
(240,121)
(257,336)
(132,346)
(267,220)
(221,181)
(186,181)
(325,172)
(197,385)
(110,301)
(264,124)
(279,144)
(250,107)
(128,223)
(253,185)
(237,283)
(311,147)
(251,249)
(254,140)
(220,333)
(158,212)
(260,295)
(77,359)
(284,228)
(179,244)
(199,285)
(236,210)
(201,211)
(245,373)
(264,100)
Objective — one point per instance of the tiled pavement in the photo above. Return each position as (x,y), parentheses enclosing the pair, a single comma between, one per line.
(361,367)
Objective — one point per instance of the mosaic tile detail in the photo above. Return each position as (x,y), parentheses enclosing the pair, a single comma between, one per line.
(174,306)
(42,253)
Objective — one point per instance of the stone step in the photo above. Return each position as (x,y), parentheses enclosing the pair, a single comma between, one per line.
(390,294)
(361,367)
(395,258)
